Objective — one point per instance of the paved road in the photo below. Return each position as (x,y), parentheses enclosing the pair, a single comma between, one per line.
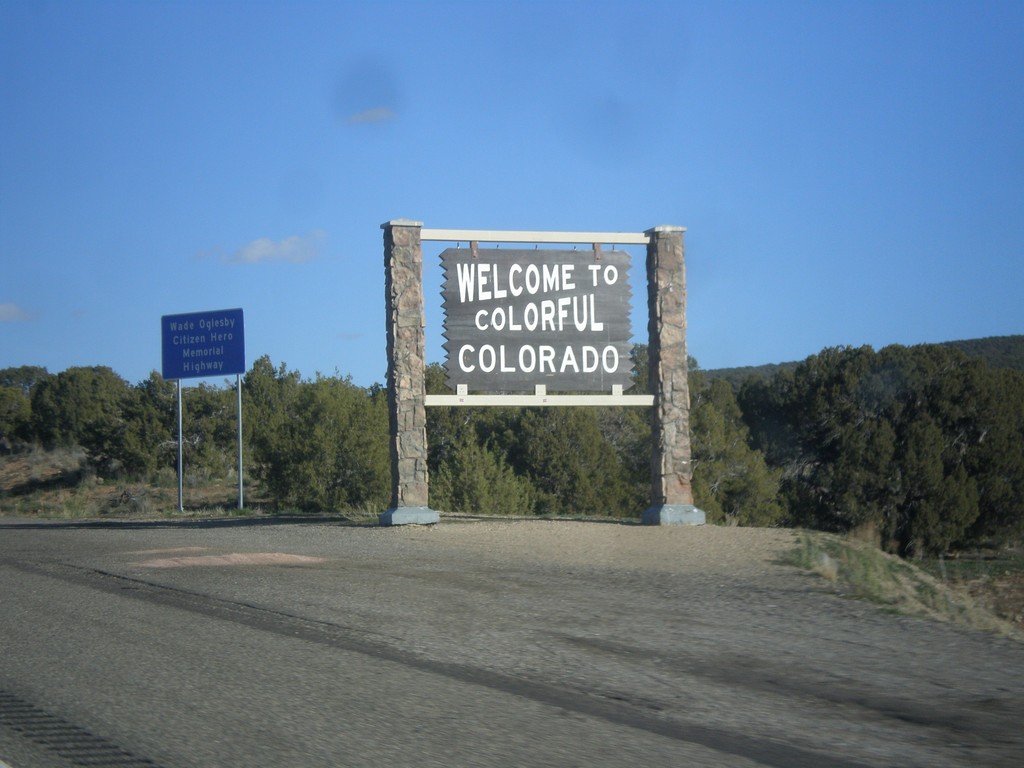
(318,644)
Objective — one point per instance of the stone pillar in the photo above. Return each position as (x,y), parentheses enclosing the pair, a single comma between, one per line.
(407,413)
(671,493)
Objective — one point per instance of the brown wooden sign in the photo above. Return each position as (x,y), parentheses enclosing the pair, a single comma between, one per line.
(518,318)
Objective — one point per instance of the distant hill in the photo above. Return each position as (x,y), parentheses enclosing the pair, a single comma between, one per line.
(997,351)
(736,376)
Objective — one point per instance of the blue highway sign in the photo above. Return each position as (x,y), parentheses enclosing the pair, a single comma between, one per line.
(203,344)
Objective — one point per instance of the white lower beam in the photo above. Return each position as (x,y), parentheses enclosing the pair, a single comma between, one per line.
(538,400)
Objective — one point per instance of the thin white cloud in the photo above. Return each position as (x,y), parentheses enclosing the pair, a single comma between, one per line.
(12,313)
(216,252)
(294,250)
(375,115)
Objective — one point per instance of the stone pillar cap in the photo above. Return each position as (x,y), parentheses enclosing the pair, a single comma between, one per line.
(401,223)
(663,229)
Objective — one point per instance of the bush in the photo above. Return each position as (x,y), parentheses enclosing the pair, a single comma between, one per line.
(476,480)
(328,450)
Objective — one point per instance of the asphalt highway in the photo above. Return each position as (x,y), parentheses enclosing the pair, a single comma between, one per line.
(318,644)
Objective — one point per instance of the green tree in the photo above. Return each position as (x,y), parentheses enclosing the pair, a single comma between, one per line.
(16,385)
(898,441)
(447,428)
(468,459)
(477,480)
(329,452)
(573,469)
(996,460)
(92,408)
(731,481)
(640,357)
(24,377)
(627,432)
(937,504)
(209,431)
(156,411)
(268,401)
(15,417)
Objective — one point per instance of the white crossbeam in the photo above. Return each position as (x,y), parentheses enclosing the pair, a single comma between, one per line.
(519,236)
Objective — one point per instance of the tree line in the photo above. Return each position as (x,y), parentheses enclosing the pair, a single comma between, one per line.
(997,351)
(922,447)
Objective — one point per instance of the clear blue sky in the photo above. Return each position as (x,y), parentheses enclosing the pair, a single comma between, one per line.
(848,172)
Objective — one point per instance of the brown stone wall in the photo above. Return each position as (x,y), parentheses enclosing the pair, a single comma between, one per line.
(403,261)
(670,418)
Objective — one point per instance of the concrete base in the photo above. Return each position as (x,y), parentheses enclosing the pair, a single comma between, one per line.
(673,514)
(410,516)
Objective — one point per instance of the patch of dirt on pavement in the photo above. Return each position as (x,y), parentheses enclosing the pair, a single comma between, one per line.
(233,558)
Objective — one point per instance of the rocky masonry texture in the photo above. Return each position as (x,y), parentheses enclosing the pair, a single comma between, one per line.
(670,418)
(403,259)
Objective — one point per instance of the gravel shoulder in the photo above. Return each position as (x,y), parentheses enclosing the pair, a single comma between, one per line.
(666,549)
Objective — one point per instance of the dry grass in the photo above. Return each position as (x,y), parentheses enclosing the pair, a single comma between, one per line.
(862,571)
(60,485)
(993,576)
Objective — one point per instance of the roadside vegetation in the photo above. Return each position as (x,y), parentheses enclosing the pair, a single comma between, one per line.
(923,588)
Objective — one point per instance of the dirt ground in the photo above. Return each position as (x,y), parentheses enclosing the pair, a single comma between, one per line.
(1002,594)
(738,551)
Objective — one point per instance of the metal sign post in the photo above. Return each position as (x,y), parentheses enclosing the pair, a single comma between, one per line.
(238,388)
(181,506)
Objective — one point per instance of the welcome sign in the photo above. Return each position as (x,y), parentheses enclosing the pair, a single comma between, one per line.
(517,318)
